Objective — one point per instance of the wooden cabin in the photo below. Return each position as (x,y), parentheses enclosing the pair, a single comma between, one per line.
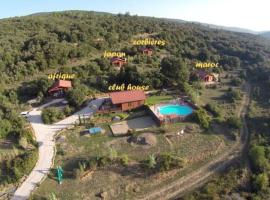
(118,61)
(208,78)
(147,51)
(127,100)
(60,87)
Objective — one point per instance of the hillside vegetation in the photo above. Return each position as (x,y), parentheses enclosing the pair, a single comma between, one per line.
(31,47)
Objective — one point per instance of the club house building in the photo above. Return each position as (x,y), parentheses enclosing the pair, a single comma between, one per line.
(124,100)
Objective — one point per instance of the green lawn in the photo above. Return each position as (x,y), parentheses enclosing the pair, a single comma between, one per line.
(155,99)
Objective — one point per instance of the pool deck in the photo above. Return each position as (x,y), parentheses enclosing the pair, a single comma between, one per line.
(168,118)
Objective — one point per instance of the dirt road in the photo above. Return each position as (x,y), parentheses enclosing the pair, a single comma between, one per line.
(45,137)
(198,177)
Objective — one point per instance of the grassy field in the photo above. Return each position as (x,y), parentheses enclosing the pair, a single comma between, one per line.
(157,99)
(120,182)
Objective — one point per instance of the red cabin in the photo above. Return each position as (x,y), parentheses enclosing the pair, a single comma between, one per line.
(118,61)
(60,87)
(147,51)
(127,100)
(206,77)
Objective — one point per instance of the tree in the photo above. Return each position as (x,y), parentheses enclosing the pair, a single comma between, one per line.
(112,154)
(202,117)
(234,122)
(124,159)
(204,55)
(260,182)
(51,115)
(77,96)
(5,128)
(174,70)
(151,161)
(258,158)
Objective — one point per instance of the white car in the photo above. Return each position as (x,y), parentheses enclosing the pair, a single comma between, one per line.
(25,113)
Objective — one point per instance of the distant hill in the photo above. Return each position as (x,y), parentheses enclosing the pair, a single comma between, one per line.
(234,29)
(213,26)
(266,34)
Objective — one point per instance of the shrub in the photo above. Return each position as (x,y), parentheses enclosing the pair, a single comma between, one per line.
(202,117)
(103,161)
(167,161)
(5,128)
(234,95)
(234,122)
(51,115)
(151,161)
(260,182)
(67,110)
(113,154)
(77,96)
(124,160)
(213,108)
(236,81)
(20,165)
(258,158)
(23,142)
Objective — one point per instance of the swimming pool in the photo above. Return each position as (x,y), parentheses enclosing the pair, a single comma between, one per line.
(171,109)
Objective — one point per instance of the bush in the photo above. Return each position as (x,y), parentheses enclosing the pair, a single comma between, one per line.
(22,164)
(234,122)
(236,81)
(51,115)
(167,162)
(112,154)
(234,95)
(258,158)
(202,117)
(151,161)
(260,182)
(77,96)
(5,128)
(103,161)
(124,160)
(68,110)
(213,108)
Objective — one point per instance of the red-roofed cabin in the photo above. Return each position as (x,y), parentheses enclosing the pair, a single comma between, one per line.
(127,100)
(60,87)
(118,61)
(147,51)
(206,77)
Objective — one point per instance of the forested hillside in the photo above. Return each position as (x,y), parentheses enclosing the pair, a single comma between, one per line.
(31,47)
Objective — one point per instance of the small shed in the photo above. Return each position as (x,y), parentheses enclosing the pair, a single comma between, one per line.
(95,130)
(147,51)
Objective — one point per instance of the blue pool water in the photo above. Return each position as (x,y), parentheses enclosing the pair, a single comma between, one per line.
(175,109)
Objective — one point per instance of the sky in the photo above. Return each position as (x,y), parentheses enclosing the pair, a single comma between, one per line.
(249,14)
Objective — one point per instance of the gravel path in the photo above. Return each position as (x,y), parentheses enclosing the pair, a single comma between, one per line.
(45,137)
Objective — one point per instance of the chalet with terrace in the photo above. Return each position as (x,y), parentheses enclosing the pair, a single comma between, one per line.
(147,51)
(208,78)
(60,87)
(118,62)
(124,100)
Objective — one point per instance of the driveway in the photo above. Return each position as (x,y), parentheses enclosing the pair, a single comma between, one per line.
(45,138)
